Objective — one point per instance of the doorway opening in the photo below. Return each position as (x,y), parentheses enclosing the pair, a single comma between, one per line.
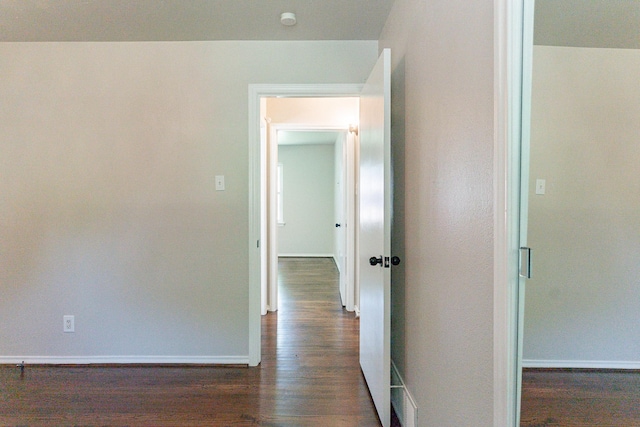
(280,109)
(578,301)
(310,198)
(308,185)
(374,148)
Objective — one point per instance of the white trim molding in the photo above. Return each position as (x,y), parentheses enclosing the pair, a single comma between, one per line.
(581,364)
(508,28)
(125,360)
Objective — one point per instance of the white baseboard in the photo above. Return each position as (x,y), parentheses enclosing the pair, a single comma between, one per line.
(335,261)
(125,360)
(305,255)
(580,364)
(402,401)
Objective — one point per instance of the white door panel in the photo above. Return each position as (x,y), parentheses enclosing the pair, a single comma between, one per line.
(375,234)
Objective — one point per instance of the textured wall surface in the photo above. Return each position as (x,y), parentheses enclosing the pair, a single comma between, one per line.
(442,132)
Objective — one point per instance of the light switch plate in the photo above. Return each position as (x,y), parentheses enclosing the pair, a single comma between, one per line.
(541,186)
(219,182)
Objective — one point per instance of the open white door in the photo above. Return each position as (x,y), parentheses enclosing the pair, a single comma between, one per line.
(375,235)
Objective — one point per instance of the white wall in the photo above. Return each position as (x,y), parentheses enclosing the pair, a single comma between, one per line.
(583,302)
(442,133)
(108,153)
(309,217)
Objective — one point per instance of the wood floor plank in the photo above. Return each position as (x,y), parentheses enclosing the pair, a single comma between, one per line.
(584,398)
(309,375)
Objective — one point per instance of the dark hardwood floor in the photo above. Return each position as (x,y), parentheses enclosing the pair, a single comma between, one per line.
(572,398)
(309,375)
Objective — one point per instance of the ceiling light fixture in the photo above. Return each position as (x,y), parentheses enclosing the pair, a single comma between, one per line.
(288,19)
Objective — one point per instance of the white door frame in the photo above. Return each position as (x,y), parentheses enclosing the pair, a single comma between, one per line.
(512,31)
(257,91)
(264,215)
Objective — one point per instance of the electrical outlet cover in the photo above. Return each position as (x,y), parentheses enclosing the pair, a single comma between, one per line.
(68,323)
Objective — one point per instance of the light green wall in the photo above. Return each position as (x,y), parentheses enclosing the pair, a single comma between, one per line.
(108,208)
(308,200)
(583,302)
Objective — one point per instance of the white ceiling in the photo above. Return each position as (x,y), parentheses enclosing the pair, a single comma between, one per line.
(587,23)
(169,20)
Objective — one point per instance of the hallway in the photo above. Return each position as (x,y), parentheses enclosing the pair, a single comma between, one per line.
(314,364)
(309,377)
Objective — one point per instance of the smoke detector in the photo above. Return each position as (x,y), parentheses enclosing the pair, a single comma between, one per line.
(288,19)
